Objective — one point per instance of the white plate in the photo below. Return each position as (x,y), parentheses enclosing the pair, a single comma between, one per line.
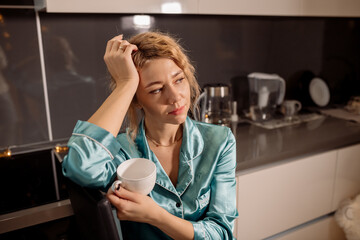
(319,92)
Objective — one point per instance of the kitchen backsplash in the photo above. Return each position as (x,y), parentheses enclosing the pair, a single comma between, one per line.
(221,48)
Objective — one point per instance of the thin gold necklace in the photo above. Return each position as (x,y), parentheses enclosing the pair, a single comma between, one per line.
(160,145)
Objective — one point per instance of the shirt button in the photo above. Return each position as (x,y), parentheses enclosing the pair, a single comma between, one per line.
(178,204)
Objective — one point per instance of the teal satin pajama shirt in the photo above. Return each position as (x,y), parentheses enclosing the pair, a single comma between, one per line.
(205,193)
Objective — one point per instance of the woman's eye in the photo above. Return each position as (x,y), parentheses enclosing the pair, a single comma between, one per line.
(179,80)
(155,91)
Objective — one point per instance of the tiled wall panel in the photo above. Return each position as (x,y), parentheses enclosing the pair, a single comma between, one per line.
(221,47)
(22,106)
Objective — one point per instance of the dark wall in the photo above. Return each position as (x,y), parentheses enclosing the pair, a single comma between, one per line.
(221,48)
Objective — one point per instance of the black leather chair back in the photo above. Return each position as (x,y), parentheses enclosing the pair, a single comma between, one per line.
(93,213)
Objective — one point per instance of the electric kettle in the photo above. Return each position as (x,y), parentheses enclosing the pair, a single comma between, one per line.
(267,91)
(214,105)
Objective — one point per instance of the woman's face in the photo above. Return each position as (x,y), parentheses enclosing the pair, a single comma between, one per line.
(163,92)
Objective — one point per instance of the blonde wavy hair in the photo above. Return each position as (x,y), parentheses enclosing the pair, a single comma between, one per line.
(153,45)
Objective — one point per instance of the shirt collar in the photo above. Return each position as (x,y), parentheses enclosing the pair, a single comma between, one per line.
(192,146)
(192,142)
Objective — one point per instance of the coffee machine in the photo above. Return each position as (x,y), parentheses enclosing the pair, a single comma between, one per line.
(214,105)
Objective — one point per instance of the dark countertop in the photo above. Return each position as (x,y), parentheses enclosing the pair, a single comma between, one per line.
(259,148)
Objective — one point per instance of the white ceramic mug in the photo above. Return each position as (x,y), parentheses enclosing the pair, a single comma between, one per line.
(136,175)
(290,108)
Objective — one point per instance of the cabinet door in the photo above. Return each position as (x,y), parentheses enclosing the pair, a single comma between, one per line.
(121,6)
(284,196)
(322,229)
(337,8)
(341,8)
(347,180)
(319,7)
(251,7)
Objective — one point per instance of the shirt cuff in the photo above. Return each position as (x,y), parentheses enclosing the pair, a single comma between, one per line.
(199,231)
(99,135)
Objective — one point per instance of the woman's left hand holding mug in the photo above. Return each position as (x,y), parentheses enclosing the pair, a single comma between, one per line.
(133,206)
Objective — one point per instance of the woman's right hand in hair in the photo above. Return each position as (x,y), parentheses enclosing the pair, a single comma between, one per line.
(119,61)
(110,115)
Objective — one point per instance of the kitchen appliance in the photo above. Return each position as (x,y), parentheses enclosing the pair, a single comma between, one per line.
(33,193)
(28,180)
(266,92)
(214,105)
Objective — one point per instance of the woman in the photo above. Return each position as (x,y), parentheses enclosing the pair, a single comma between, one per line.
(194,196)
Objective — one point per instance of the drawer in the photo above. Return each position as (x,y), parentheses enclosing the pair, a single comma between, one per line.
(325,228)
(284,196)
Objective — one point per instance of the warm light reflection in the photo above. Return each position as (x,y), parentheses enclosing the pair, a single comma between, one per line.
(6,35)
(61,149)
(171,7)
(142,21)
(5,153)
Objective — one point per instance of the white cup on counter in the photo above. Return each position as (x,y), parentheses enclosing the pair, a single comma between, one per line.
(136,175)
(290,108)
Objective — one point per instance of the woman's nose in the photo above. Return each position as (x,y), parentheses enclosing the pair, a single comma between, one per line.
(173,95)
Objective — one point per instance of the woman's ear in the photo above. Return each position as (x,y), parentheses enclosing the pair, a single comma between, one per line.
(136,104)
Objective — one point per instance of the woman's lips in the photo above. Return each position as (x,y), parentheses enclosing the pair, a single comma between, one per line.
(177,111)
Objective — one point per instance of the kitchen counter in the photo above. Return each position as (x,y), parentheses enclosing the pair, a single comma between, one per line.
(259,148)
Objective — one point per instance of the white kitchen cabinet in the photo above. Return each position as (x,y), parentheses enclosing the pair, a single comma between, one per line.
(332,8)
(251,7)
(119,6)
(278,198)
(347,179)
(322,229)
(319,7)
(335,8)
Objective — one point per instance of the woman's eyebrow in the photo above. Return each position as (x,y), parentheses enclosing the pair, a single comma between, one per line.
(174,75)
(177,73)
(153,83)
